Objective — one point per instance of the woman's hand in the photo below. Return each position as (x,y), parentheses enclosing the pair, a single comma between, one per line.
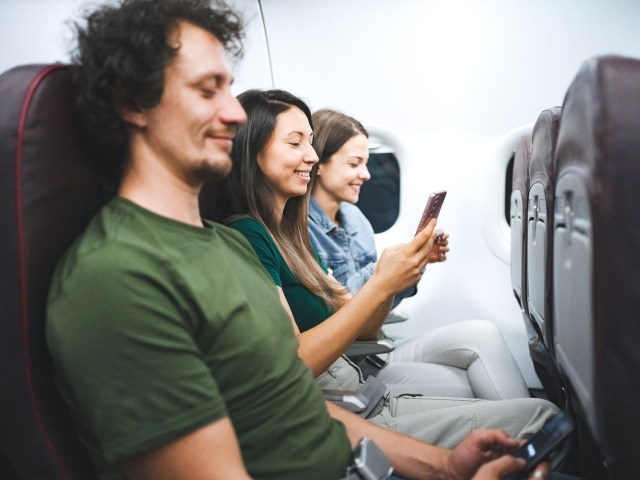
(401,266)
(440,247)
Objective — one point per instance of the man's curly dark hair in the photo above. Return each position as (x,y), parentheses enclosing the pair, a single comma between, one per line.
(120,60)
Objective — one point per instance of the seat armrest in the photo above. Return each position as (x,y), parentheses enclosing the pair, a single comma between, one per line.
(351,400)
(396,316)
(360,348)
(362,401)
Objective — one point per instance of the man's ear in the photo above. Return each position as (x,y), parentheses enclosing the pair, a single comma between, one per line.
(133,115)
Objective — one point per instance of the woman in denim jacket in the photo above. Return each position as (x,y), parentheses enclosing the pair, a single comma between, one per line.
(349,250)
(465,359)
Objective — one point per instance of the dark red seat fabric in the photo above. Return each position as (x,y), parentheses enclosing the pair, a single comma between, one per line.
(47,195)
(596,268)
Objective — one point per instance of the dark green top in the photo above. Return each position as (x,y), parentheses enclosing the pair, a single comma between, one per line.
(158,328)
(308,309)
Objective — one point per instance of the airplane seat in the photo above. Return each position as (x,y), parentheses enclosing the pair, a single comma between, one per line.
(596,274)
(539,243)
(47,196)
(519,275)
(539,219)
(520,181)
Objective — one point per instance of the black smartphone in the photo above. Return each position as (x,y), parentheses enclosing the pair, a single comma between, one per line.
(538,448)
(431,209)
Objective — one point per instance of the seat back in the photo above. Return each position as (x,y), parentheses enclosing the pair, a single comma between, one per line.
(538,251)
(539,220)
(596,267)
(48,193)
(517,214)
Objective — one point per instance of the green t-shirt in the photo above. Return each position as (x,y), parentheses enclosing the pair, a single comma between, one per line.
(308,309)
(158,328)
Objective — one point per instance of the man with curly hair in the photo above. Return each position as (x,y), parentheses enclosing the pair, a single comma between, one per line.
(170,343)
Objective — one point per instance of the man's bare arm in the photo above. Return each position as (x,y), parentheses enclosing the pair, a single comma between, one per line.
(412,458)
(210,453)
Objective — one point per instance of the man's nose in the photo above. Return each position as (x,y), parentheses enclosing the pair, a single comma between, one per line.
(232,112)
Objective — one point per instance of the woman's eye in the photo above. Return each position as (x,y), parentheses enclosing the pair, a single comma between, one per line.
(207,93)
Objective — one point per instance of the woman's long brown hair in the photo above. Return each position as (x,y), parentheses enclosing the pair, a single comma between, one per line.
(246,192)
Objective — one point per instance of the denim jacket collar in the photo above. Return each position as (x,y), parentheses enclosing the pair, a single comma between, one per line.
(319,216)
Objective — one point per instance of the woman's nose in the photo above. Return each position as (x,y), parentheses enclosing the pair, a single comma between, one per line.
(310,155)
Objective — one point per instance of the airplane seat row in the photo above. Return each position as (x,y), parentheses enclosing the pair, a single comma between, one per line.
(530,200)
(582,276)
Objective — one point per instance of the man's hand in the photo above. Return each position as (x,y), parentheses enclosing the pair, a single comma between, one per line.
(497,469)
(478,448)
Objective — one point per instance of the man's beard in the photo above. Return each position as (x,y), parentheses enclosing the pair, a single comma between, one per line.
(206,172)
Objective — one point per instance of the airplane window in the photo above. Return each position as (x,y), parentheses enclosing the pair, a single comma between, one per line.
(380,196)
(507,189)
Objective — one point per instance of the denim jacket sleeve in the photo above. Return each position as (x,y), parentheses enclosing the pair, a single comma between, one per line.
(349,250)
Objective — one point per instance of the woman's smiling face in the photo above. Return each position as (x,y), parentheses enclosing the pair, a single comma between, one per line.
(342,176)
(288,157)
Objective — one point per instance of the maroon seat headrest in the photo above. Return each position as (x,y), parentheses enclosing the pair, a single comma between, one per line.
(48,193)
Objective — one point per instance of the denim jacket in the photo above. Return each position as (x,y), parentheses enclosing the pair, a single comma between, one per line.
(348,250)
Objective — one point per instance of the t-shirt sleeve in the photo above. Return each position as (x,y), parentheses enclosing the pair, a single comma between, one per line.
(126,359)
(263,245)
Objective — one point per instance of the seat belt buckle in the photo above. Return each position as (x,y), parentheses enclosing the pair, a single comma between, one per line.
(369,463)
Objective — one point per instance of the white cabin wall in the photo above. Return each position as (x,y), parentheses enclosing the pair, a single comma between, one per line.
(35,31)
(455,65)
